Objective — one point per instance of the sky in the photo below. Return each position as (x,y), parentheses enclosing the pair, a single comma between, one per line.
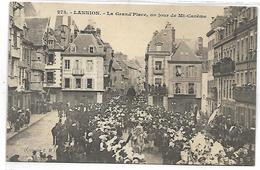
(131,35)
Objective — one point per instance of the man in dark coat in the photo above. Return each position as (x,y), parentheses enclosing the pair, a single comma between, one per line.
(131,93)
(54,132)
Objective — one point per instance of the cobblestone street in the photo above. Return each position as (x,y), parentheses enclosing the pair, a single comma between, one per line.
(36,137)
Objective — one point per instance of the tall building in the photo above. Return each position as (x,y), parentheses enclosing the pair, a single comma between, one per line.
(211,97)
(173,72)
(19,58)
(65,31)
(185,82)
(83,68)
(38,35)
(234,67)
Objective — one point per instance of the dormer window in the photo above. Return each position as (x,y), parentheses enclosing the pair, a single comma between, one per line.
(51,44)
(91,49)
(72,48)
(159,46)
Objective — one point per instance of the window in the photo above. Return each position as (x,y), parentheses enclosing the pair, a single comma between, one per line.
(51,44)
(67,64)
(50,77)
(238,50)
(91,49)
(15,38)
(72,48)
(158,65)
(177,88)
(178,71)
(42,76)
(158,48)
(242,78)
(89,66)
(50,59)
(76,64)
(191,71)
(238,79)
(67,83)
(12,68)
(158,81)
(191,88)
(78,83)
(89,83)
(242,50)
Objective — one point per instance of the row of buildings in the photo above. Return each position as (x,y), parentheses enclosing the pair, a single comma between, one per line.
(174,71)
(232,52)
(61,63)
(223,74)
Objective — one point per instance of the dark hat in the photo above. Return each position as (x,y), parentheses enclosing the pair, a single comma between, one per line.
(49,156)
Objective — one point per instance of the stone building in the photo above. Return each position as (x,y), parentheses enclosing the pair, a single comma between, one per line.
(173,72)
(19,58)
(65,31)
(38,34)
(126,73)
(185,82)
(83,68)
(234,67)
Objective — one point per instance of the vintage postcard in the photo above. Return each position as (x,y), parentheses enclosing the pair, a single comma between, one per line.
(131,83)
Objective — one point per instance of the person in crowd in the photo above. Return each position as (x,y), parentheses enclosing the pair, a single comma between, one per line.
(14,158)
(131,93)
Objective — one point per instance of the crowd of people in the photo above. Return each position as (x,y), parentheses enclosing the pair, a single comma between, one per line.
(18,118)
(121,132)
(124,130)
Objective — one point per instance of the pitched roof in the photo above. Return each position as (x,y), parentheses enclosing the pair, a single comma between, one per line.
(29,10)
(163,38)
(37,28)
(130,64)
(83,42)
(116,65)
(184,53)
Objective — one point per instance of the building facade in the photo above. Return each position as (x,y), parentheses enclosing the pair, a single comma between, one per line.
(19,58)
(83,69)
(234,67)
(64,32)
(185,82)
(172,72)
(38,34)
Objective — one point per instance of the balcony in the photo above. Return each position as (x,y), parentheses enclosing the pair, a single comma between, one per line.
(158,72)
(13,81)
(225,66)
(157,90)
(246,94)
(38,66)
(77,72)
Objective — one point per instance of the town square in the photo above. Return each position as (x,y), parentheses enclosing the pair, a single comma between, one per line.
(97,88)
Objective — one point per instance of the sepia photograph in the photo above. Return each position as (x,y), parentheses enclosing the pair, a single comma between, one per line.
(166,84)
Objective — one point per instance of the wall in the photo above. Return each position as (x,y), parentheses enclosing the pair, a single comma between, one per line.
(96,74)
(197,79)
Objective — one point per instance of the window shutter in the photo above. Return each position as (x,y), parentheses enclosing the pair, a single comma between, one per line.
(54,77)
(187,71)
(195,71)
(195,88)
(187,88)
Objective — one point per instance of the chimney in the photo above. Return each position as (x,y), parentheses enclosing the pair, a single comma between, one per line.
(155,33)
(173,39)
(227,12)
(98,32)
(200,45)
